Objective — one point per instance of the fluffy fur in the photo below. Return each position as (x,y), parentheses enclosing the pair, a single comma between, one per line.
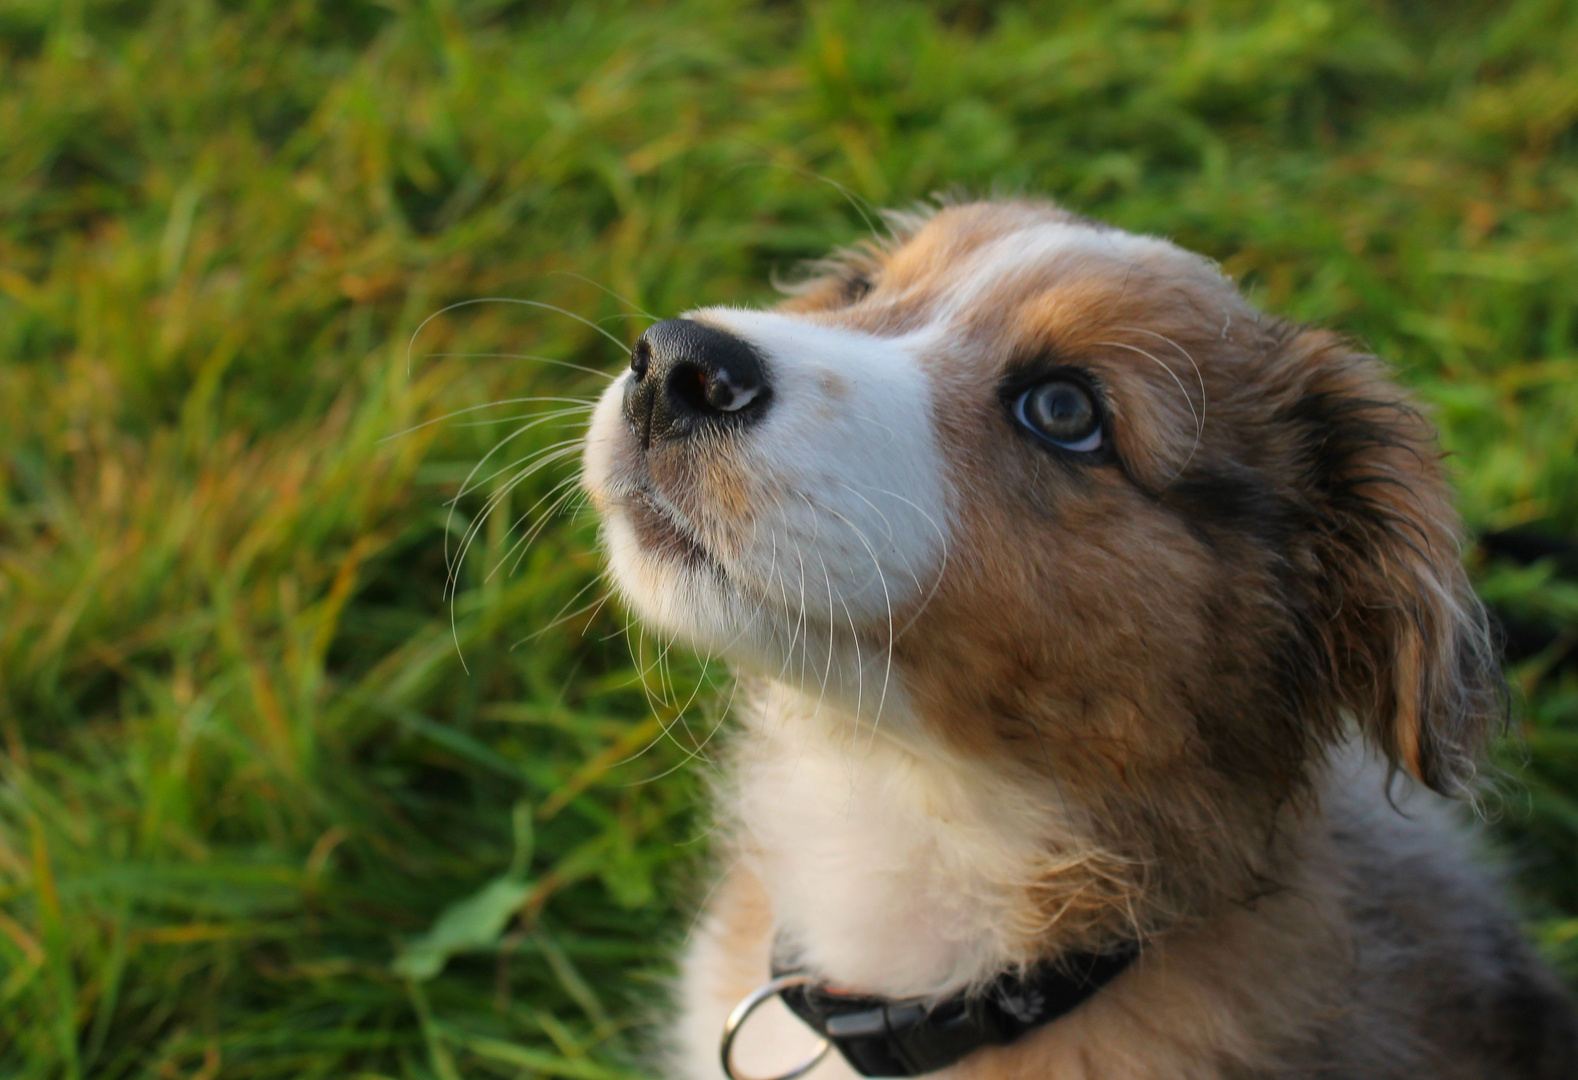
(1198,689)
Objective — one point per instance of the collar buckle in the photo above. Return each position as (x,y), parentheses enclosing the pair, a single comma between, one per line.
(774,987)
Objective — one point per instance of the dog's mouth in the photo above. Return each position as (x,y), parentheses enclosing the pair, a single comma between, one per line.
(661,535)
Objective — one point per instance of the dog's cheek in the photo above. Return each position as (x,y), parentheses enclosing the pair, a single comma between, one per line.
(1069,638)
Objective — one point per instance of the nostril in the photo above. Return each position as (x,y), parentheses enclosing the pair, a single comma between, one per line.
(686,375)
(687,384)
(724,396)
(640,359)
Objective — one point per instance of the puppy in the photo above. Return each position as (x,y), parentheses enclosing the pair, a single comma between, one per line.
(1105,643)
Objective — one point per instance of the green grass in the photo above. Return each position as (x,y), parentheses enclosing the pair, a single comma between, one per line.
(244,764)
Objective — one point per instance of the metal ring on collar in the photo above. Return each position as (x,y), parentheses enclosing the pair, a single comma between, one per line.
(731,1027)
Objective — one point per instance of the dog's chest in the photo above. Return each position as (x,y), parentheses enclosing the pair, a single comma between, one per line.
(889,872)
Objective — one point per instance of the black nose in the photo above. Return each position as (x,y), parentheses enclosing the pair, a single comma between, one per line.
(686,376)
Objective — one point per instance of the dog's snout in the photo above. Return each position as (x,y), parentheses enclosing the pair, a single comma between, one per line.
(686,376)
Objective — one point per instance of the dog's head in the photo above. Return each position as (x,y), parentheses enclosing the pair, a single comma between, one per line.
(1058,496)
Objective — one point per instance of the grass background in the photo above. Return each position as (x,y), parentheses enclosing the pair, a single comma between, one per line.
(249,753)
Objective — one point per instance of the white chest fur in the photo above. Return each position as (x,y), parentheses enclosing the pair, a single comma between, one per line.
(895,869)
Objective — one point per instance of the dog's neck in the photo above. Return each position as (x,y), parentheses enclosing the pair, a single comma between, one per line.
(897,868)
(894,867)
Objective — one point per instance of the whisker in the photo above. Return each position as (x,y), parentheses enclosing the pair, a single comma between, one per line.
(665,672)
(860,663)
(805,624)
(638,661)
(797,624)
(888,600)
(684,710)
(541,461)
(874,422)
(666,729)
(523,545)
(886,524)
(747,624)
(810,174)
(942,569)
(542,455)
(559,617)
(465,485)
(519,356)
(1198,374)
(453,568)
(1199,429)
(493,502)
(581,403)
(411,345)
(723,717)
(590,619)
(452,579)
(556,415)
(669,692)
(827,670)
(604,288)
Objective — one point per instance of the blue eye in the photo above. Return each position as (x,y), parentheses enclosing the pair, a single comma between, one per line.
(1062,413)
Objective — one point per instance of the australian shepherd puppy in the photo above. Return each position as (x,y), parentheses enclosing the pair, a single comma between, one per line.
(1105,639)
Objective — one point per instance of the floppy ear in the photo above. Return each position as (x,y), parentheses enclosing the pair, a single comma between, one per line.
(1405,643)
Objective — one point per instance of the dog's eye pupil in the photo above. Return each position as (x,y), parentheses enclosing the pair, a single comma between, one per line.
(1063,413)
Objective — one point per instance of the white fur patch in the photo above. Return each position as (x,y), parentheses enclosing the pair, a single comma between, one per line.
(894,866)
(848,531)
(850,435)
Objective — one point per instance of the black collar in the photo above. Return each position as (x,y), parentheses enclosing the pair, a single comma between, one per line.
(914,1036)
